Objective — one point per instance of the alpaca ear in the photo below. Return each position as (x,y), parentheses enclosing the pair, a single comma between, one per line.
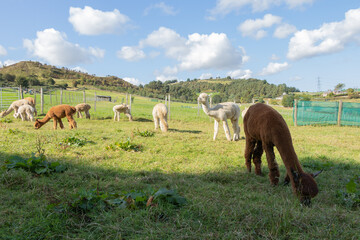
(314,175)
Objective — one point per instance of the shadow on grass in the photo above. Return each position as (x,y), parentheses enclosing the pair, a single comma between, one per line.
(142,120)
(184,131)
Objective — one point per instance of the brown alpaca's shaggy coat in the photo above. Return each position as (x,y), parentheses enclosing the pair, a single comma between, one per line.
(83,107)
(265,128)
(56,113)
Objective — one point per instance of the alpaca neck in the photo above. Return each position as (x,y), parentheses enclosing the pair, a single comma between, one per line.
(289,156)
(207,109)
(44,120)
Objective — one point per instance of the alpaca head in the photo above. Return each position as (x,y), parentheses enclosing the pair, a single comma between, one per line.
(2,113)
(306,186)
(203,97)
(37,124)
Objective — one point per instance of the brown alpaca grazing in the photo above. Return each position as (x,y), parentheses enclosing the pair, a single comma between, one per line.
(83,107)
(57,113)
(265,128)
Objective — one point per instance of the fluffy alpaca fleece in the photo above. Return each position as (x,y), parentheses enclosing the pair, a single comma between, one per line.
(265,128)
(26,112)
(15,106)
(83,107)
(32,103)
(56,113)
(122,108)
(160,116)
(222,112)
(244,112)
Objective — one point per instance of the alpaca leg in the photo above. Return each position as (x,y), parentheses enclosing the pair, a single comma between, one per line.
(258,151)
(227,130)
(60,123)
(80,114)
(249,151)
(118,116)
(114,115)
(31,116)
(156,122)
(55,122)
(22,115)
(216,129)
(129,116)
(87,114)
(273,166)
(236,128)
(72,123)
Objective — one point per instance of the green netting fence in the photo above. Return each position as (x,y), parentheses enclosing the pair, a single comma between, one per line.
(326,113)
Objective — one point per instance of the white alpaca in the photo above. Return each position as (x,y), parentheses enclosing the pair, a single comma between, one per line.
(83,107)
(26,112)
(122,108)
(160,116)
(15,106)
(222,112)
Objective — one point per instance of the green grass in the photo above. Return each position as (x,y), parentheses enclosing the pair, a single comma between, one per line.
(223,200)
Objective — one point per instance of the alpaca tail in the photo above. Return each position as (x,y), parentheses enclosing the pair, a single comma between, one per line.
(163,123)
(6,112)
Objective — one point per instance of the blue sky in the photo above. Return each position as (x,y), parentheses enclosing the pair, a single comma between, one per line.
(296,42)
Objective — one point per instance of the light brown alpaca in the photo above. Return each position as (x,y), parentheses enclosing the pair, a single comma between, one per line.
(83,107)
(160,116)
(265,128)
(122,108)
(26,112)
(15,106)
(57,113)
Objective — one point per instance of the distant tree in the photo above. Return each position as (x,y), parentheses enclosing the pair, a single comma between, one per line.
(22,81)
(75,83)
(9,77)
(339,86)
(216,99)
(288,101)
(50,81)
(261,100)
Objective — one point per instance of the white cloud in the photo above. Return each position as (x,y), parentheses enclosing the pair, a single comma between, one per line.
(163,77)
(240,74)
(3,51)
(274,57)
(255,28)
(89,21)
(284,30)
(79,69)
(8,63)
(168,10)
(329,38)
(197,52)
(273,68)
(131,80)
(51,46)
(205,76)
(131,53)
(224,7)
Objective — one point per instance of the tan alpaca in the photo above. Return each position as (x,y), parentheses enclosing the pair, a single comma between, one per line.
(122,108)
(83,107)
(26,112)
(15,106)
(222,112)
(57,113)
(160,116)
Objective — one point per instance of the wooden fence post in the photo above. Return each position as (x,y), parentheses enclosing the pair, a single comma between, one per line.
(61,96)
(130,103)
(35,96)
(42,100)
(84,97)
(50,98)
(339,113)
(126,99)
(165,100)
(21,93)
(295,112)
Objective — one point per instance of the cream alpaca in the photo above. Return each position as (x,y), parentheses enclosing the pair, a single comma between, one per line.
(26,112)
(244,112)
(222,112)
(122,108)
(15,106)
(160,116)
(83,107)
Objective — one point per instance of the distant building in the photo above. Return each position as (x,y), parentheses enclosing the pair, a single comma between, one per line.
(103,98)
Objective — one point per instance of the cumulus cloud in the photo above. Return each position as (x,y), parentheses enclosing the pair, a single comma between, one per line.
(89,21)
(131,53)
(273,68)
(79,69)
(224,7)
(168,10)
(205,76)
(52,46)
(284,30)
(240,74)
(255,28)
(3,51)
(329,38)
(197,51)
(133,81)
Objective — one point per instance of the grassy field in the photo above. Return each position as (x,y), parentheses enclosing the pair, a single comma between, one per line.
(223,200)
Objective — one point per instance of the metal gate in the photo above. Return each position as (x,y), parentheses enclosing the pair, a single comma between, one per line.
(8,95)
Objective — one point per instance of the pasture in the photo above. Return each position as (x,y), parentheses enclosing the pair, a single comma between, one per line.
(223,200)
